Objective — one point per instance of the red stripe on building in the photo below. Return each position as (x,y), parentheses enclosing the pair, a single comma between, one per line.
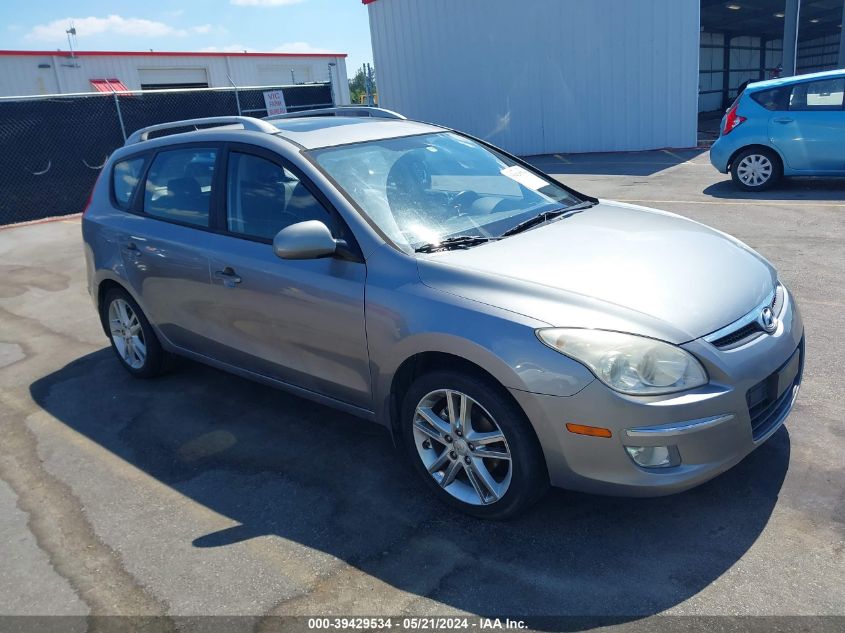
(7,53)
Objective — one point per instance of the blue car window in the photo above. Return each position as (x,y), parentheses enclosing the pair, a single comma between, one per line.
(826,94)
(774,99)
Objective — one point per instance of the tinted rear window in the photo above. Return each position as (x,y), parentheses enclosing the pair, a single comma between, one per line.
(125,178)
(774,99)
(179,185)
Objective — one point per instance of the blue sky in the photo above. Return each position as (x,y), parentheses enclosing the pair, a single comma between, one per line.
(335,26)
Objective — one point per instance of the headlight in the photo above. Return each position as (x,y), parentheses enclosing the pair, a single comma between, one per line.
(631,364)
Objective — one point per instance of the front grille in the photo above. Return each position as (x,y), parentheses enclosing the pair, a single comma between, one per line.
(767,405)
(752,330)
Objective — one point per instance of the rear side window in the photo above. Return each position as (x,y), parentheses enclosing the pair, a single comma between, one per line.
(774,99)
(125,178)
(179,185)
(818,95)
(264,198)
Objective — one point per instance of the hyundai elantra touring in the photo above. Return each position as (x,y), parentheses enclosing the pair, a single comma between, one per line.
(511,332)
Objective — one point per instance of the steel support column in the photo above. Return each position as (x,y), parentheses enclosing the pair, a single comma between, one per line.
(791,17)
(842,39)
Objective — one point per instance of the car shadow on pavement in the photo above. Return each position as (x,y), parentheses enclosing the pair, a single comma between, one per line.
(644,163)
(280,465)
(814,189)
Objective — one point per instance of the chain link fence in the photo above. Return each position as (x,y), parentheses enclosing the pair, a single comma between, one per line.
(53,147)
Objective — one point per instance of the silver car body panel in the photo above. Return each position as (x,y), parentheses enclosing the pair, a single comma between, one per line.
(338,331)
(577,271)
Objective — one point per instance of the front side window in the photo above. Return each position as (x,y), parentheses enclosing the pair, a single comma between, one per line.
(125,178)
(179,185)
(424,189)
(818,95)
(264,198)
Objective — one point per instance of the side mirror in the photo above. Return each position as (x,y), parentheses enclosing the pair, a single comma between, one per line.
(305,240)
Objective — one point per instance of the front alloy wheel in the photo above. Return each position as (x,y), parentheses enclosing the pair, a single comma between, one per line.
(472,444)
(462,447)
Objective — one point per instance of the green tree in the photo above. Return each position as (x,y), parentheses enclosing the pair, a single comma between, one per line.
(358,86)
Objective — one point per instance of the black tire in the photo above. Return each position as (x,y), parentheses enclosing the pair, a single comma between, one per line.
(154,360)
(529,478)
(776,172)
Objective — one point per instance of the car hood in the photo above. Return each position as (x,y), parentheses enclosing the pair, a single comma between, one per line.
(613,266)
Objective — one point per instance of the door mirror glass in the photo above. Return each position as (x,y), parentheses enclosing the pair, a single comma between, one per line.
(304,240)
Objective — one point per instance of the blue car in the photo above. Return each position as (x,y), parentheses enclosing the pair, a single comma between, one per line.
(794,126)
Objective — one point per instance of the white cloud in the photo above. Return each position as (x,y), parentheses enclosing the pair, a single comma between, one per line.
(288,47)
(116,25)
(264,3)
(299,47)
(230,48)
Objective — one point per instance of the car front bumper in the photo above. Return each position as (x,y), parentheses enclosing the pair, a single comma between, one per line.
(710,427)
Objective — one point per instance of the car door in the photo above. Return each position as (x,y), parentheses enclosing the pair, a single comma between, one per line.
(810,134)
(300,321)
(163,242)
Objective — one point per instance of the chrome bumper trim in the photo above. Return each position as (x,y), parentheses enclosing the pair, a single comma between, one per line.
(681,428)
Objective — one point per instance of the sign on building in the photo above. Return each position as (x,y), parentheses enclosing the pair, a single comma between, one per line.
(275,102)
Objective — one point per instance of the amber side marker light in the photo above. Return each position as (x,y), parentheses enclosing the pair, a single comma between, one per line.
(583,429)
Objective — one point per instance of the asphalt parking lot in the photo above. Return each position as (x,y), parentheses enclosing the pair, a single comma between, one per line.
(200,493)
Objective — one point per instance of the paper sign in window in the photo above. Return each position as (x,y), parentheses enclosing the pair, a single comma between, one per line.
(524,177)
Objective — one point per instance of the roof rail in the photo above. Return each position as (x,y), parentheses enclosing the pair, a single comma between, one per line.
(360,111)
(247,122)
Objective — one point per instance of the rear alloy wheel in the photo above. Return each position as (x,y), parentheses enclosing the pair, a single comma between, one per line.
(132,338)
(756,170)
(472,445)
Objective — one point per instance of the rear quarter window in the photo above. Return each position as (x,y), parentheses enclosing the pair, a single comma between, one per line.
(179,185)
(125,178)
(774,99)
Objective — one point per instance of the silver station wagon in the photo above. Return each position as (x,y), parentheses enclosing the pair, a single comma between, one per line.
(510,332)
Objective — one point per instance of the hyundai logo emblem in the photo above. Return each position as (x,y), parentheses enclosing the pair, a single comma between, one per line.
(767,320)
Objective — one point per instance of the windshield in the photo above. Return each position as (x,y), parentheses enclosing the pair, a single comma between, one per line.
(424,189)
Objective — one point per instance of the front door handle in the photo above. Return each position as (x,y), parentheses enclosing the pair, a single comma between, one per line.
(228,276)
(784,119)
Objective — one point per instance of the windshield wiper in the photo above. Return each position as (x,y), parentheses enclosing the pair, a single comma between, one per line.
(459,241)
(545,216)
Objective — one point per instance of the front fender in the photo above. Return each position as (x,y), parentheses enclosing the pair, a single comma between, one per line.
(406,319)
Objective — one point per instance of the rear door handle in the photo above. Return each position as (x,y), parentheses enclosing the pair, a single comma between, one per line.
(784,119)
(228,276)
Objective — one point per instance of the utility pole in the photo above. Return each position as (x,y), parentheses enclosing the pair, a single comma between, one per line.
(367,90)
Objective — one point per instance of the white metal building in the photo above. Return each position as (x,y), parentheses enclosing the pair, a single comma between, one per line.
(543,76)
(546,76)
(59,72)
